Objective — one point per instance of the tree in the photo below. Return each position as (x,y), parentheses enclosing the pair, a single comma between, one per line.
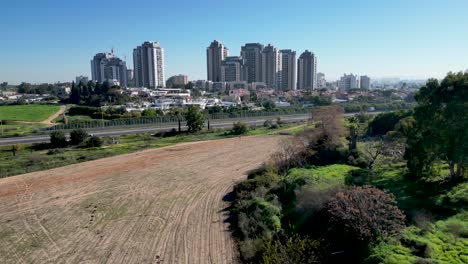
(438,132)
(78,136)
(364,214)
(269,105)
(24,88)
(195,119)
(4,85)
(75,97)
(58,139)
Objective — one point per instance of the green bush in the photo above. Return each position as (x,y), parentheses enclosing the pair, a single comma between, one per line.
(58,139)
(239,128)
(78,136)
(94,141)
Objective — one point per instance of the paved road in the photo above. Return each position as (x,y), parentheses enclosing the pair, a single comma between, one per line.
(136,130)
(147,129)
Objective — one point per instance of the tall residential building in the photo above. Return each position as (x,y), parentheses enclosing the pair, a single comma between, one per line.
(252,55)
(365,82)
(233,69)
(348,82)
(108,67)
(148,64)
(307,71)
(321,82)
(215,55)
(271,67)
(177,81)
(288,71)
(129,75)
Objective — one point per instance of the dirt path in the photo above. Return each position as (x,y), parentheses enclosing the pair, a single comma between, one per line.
(51,118)
(155,206)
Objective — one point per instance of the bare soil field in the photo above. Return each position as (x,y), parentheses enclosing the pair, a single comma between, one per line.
(155,206)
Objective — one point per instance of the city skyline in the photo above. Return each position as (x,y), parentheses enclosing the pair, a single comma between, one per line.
(397,39)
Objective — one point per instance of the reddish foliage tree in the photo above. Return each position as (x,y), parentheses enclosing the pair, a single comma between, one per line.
(364,213)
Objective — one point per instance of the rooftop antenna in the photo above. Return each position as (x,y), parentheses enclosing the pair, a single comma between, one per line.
(112,50)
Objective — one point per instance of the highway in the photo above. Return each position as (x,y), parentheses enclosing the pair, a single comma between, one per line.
(146,129)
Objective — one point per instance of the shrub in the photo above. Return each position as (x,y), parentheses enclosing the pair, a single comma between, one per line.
(267,123)
(295,249)
(94,141)
(78,136)
(239,128)
(364,213)
(54,151)
(58,139)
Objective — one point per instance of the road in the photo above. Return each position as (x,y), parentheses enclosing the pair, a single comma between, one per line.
(137,130)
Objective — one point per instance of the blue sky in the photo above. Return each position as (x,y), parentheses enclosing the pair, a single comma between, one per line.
(54,40)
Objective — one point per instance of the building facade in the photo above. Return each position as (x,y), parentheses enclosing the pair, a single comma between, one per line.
(271,67)
(321,82)
(108,67)
(81,79)
(307,71)
(288,71)
(233,69)
(148,64)
(177,81)
(252,55)
(365,82)
(348,82)
(215,55)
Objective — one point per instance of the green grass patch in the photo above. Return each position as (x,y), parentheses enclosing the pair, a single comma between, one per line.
(322,177)
(445,241)
(29,113)
(17,129)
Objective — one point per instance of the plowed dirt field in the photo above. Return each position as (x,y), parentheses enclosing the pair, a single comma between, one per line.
(155,206)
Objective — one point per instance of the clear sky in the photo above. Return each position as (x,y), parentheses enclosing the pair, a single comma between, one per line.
(54,40)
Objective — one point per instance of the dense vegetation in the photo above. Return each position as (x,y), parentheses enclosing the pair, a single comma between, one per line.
(395,191)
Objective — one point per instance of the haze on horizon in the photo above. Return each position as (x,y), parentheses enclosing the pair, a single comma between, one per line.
(52,40)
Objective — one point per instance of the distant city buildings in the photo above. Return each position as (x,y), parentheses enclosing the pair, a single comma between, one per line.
(348,82)
(365,82)
(148,64)
(177,81)
(288,70)
(215,55)
(351,81)
(252,55)
(81,79)
(307,71)
(321,82)
(233,69)
(108,67)
(271,67)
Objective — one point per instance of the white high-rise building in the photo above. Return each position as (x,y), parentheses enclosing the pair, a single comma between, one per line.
(321,82)
(307,71)
(252,55)
(365,82)
(108,67)
(148,64)
(348,82)
(288,71)
(215,55)
(271,67)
